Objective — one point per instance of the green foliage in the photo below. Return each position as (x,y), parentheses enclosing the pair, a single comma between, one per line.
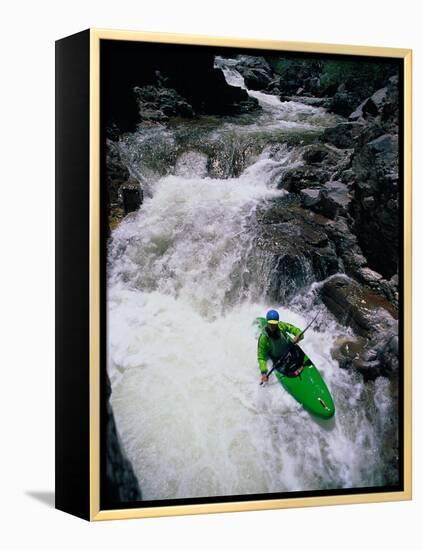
(286,65)
(276,64)
(334,73)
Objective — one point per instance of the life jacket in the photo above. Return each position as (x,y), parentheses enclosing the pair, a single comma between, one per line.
(279,343)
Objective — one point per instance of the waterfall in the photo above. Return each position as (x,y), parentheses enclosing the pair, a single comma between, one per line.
(185,283)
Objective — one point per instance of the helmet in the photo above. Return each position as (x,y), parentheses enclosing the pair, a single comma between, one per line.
(273,317)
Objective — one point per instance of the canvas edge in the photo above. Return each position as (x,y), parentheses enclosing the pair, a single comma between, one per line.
(100,515)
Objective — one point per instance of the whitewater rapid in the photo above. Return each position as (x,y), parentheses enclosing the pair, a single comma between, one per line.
(185,283)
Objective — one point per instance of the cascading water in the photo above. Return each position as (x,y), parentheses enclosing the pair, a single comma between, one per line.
(185,283)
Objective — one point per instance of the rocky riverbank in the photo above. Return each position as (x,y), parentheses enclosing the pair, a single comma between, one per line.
(351,180)
(122,484)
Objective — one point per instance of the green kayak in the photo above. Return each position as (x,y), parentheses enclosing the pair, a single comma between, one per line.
(308,387)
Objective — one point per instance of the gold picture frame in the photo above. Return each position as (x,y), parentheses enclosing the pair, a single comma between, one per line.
(95,513)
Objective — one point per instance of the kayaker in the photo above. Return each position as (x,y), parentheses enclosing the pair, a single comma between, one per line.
(273,342)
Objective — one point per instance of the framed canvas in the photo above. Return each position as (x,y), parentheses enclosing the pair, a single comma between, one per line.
(233,276)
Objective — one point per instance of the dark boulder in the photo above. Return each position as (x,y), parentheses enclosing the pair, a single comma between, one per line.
(364,311)
(132,196)
(342,135)
(296,74)
(390,111)
(217,97)
(382,108)
(159,104)
(347,350)
(338,192)
(343,103)
(297,264)
(296,246)
(310,197)
(346,244)
(321,154)
(124,192)
(256,72)
(371,357)
(122,485)
(375,206)
(328,200)
(303,177)
(116,172)
(351,93)
(372,106)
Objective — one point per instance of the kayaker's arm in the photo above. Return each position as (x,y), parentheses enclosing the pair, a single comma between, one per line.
(262,354)
(291,329)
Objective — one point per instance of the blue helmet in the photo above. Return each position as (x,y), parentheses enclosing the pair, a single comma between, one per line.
(272,317)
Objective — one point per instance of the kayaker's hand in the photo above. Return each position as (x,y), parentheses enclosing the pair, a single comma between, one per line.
(295,339)
(264,378)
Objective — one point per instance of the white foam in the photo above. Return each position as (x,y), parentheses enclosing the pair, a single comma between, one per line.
(191,415)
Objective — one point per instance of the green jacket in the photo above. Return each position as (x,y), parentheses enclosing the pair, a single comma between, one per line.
(274,348)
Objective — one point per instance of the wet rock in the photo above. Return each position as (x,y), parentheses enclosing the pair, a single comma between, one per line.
(310,197)
(372,106)
(369,276)
(370,131)
(381,108)
(325,261)
(220,98)
(296,265)
(313,234)
(355,263)
(132,196)
(256,72)
(364,311)
(116,172)
(312,84)
(326,205)
(345,351)
(347,176)
(389,116)
(342,135)
(378,159)
(124,193)
(295,74)
(351,93)
(297,247)
(394,281)
(159,104)
(226,160)
(343,103)
(371,357)
(375,206)
(303,177)
(346,244)
(338,192)
(280,211)
(328,200)
(320,153)
(115,216)
(122,484)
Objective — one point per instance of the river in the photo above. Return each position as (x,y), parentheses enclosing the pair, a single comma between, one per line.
(185,283)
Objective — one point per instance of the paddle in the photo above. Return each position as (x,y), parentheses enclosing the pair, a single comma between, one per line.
(279,361)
